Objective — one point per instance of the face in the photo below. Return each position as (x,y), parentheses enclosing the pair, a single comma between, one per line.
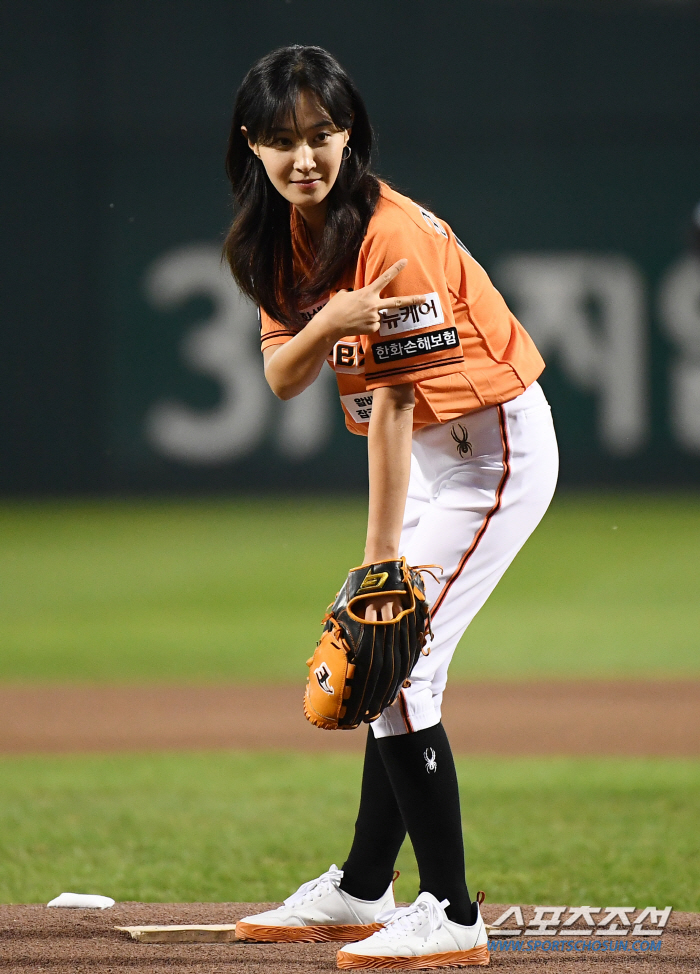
(303,164)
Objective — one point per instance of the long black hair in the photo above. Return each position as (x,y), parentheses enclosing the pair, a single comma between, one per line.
(258,247)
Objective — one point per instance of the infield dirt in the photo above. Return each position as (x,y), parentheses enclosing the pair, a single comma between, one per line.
(581,717)
(34,938)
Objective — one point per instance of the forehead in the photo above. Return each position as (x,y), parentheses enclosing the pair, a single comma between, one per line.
(308,112)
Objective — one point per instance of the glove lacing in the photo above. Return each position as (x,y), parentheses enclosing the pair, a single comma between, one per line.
(316,888)
(425,651)
(426,568)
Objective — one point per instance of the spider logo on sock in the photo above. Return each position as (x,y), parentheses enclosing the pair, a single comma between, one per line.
(430,762)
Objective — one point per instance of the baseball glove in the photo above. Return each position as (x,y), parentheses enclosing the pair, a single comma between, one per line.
(359,666)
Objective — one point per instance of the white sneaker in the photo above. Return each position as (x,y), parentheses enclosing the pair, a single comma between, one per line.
(318,911)
(419,936)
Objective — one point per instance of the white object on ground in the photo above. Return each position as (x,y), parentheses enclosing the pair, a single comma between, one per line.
(197,933)
(82,901)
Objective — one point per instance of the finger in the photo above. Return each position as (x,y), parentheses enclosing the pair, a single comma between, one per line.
(388,612)
(370,612)
(402,302)
(388,276)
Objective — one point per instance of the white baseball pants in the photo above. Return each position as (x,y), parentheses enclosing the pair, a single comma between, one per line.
(479,487)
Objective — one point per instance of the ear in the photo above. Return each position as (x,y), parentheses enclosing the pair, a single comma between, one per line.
(251,145)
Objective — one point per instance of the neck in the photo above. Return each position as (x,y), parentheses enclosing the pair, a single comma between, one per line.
(314,220)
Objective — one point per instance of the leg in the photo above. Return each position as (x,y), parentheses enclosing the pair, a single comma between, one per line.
(379,828)
(343,904)
(379,831)
(422,772)
(482,510)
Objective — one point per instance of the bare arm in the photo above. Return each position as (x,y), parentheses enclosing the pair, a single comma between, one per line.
(292,367)
(389,451)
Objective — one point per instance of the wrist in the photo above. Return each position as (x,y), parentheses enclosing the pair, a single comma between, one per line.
(375,553)
(326,330)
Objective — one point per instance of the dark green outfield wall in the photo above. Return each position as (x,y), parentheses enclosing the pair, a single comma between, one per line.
(560,139)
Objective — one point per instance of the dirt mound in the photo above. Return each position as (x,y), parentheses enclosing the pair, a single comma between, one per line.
(33,939)
(592,717)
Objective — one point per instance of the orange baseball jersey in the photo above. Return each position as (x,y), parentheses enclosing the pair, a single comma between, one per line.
(462,348)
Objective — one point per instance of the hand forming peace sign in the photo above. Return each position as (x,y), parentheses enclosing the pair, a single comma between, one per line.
(357,312)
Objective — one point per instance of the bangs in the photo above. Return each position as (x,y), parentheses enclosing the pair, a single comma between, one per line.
(278,99)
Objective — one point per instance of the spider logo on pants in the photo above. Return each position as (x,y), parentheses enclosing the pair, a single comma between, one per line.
(464,447)
(430,762)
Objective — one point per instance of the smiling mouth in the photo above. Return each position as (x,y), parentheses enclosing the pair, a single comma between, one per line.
(305,182)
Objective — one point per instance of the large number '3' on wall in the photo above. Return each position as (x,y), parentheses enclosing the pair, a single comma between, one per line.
(226,347)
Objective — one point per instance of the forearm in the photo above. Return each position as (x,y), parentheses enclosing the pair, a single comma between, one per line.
(389,452)
(292,367)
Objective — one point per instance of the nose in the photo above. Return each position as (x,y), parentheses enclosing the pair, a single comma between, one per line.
(304,158)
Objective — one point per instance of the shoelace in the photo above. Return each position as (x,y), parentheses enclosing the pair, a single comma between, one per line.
(315,887)
(408,919)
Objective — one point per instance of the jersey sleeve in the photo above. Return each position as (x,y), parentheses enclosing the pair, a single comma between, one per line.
(413,343)
(272,332)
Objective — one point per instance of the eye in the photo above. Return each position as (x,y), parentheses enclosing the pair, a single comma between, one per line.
(323,137)
(280,142)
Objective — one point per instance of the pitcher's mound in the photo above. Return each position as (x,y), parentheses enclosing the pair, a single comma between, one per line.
(64,941)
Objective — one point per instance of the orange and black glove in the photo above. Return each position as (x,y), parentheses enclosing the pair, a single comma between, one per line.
(359,665)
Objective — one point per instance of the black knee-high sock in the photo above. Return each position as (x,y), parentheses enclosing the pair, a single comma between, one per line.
(423,776)
(379,831)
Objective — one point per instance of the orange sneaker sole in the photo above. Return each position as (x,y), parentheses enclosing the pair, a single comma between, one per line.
(477,956)
(320,934)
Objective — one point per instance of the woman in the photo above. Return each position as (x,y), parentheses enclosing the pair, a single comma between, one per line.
(434,369)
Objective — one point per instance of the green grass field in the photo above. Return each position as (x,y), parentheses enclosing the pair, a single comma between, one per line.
(201,590)
(218,827)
